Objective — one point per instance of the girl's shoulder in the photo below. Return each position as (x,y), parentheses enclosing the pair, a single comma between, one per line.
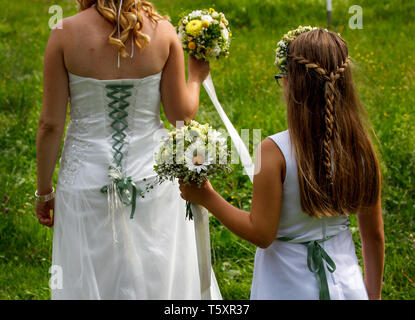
(283,135)
(283,141)
(270,157)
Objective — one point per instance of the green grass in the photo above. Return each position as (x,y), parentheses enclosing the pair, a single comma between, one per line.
(384,59)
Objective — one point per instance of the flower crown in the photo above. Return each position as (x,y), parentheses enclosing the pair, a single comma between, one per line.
(282,47)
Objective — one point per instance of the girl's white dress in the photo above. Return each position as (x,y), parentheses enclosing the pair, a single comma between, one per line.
(281,271)
(105,256)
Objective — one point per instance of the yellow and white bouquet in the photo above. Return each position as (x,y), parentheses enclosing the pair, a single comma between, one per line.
(192,153)
(205,34)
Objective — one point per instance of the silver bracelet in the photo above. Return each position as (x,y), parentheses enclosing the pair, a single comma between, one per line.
(46,197)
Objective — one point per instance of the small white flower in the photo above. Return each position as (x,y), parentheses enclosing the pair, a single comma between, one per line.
(214,136)
(195,14)
(165,155)
(225,34)
(207,18)
(216,51)
(182,36)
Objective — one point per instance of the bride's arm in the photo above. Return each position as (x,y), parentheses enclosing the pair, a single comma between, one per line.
(53,115)
(180,98)
(260,225)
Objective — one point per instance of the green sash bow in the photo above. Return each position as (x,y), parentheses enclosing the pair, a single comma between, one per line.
(123,186)
(316,256)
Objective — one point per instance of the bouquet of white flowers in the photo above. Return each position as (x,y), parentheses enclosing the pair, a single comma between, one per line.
(192,153)
(205,34)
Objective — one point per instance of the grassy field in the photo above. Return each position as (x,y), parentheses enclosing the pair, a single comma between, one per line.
(383,53)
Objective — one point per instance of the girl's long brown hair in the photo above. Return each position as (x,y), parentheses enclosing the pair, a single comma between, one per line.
(130,20)
(337,163)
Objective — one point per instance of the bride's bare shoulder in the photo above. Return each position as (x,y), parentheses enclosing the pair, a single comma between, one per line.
(162,27)
(83,18)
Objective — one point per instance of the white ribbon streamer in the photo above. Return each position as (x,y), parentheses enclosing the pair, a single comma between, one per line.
(119,29)
(200,214)
(241,148)
(119,32)
(201,222)
(132,36)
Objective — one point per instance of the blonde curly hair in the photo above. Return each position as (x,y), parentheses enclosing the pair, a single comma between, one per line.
(131,19)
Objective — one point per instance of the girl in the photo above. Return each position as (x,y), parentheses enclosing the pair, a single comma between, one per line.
(311,177)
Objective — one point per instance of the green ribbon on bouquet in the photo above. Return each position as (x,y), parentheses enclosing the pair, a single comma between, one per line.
(316,256)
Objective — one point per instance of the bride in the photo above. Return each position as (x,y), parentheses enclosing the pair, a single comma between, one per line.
(116,60)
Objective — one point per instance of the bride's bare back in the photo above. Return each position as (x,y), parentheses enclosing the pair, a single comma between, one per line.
(81,47)
(88,53)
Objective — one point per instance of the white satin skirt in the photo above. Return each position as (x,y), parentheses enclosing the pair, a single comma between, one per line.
(154,257)
(281,272)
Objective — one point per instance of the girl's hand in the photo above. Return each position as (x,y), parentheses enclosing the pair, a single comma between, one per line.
(195,194)
(43,212)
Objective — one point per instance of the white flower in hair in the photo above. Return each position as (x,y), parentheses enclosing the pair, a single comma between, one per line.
(281,53)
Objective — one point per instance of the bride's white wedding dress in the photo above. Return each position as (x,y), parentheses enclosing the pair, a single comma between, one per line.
(105,256)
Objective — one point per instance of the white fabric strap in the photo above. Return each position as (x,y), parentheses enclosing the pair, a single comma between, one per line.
(200,214)
(201,223)
(246,160)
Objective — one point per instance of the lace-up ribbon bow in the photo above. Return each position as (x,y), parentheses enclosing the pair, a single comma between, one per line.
(316,256)
(123,186)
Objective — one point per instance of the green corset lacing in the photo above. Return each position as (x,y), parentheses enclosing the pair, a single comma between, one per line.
(124,186)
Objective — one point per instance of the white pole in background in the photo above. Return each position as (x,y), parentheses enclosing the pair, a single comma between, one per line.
(329,12)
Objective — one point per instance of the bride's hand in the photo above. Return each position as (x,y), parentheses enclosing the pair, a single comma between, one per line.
(195,194)
(198,69)
(43,212)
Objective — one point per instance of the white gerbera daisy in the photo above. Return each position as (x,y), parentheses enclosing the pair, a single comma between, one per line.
(196,158)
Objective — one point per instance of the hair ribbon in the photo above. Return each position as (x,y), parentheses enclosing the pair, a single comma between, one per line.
(119,31)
